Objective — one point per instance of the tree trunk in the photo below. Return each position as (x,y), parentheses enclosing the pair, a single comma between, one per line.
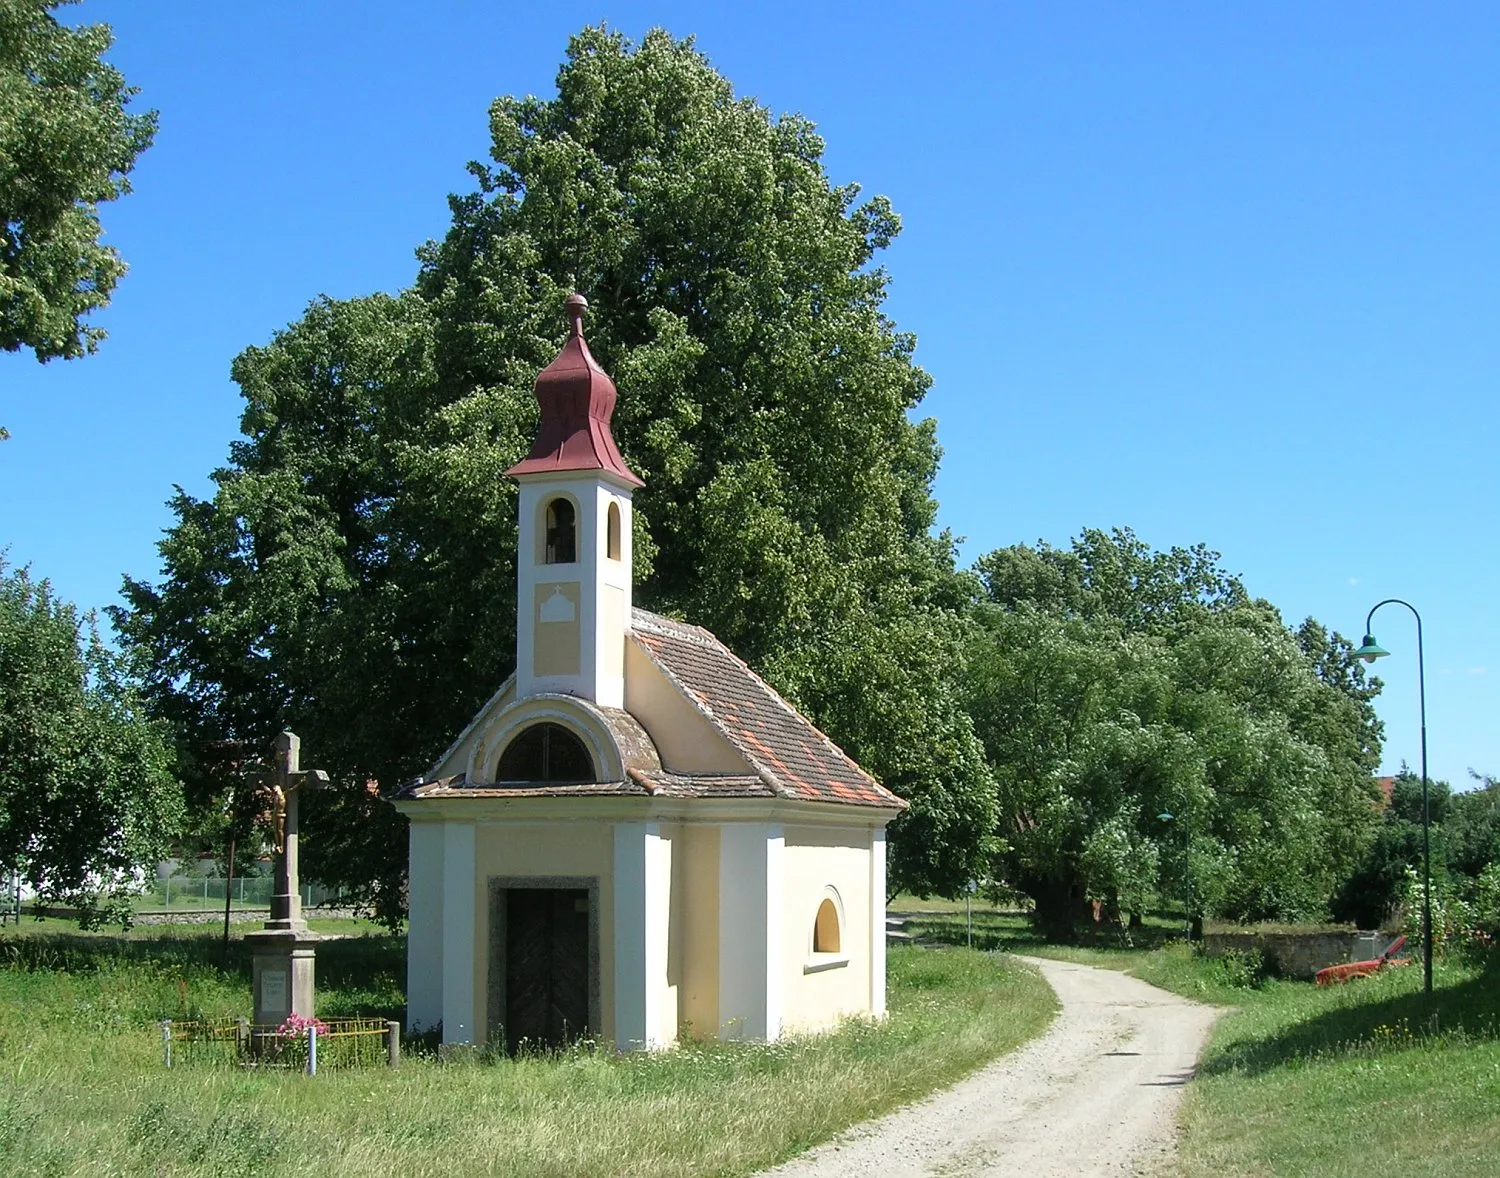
(1060,907)
(228,890)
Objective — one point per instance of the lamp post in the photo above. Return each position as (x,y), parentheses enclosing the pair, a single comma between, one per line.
(1187,862)
(1370,650)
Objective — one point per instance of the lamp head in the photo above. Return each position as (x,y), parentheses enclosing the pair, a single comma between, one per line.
(1166,816)
(1370,650)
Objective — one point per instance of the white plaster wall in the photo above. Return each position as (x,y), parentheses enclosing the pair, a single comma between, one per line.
(610,627)
(751,940)
(645,1006)
(529,570)
(877,923)
(460,934)
(814,859)
(424,927)
(592,495)
(663,1013)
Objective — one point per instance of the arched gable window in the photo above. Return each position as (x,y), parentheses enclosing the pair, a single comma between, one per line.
(612,532)
(562,533)
(826,937)
(545,752)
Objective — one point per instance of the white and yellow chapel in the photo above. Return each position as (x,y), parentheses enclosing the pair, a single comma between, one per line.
(636,838)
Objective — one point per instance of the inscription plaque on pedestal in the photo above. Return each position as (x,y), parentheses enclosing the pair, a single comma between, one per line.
(273,991)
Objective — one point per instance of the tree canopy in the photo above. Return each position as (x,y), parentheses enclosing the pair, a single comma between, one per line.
(353,574)
(87,793)
(67,145)
(1154,730)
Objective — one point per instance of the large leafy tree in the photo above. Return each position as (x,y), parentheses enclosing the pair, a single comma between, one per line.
(353,574)
(1373,891)
(87,794)
(67,145)
(1114,686)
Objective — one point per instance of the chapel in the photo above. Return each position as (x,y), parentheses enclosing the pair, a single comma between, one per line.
(636,838)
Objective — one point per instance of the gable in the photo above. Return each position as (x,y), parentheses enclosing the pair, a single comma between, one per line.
(782,746)
(687,740)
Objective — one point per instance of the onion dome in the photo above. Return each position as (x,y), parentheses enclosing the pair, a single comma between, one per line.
(577,399)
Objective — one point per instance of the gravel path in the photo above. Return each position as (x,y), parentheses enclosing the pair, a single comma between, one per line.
(1096,1094)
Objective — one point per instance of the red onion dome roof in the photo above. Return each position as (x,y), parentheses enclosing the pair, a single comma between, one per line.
(577,399)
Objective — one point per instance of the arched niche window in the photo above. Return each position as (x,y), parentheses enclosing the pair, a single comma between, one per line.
(612,532)
(826,929)
(562,533)
(545,752)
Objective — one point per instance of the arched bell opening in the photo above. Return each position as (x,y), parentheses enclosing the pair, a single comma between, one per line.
(561,532)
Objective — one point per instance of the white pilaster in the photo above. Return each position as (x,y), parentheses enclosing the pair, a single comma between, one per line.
(459,886)
(642,881)
(877,923)
(424,927)
(751,981)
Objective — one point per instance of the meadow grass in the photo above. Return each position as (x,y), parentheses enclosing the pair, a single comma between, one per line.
(83,1089)
(1369,1077)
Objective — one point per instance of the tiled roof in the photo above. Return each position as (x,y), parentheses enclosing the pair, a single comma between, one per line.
(639,783)
(791,756)
(458,787)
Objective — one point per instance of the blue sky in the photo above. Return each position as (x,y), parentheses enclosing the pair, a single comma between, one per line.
(1218,276)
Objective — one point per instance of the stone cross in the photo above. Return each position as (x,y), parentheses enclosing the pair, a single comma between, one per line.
(282,953)
(289,779)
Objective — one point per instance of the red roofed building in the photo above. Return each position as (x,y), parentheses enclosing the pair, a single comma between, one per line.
(635,834)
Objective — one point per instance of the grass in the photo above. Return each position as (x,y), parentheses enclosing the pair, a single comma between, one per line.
(82,1089)
(1351,1080)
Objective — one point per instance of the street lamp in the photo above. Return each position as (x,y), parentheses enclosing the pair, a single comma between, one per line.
(1187,861)
(1370,650)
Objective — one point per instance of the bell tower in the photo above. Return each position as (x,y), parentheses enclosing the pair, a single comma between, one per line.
(573,585)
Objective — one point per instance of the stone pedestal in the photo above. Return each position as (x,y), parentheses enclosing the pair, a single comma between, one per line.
(282,973)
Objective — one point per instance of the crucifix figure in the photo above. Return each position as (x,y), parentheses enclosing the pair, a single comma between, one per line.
(288,781)
(282,953)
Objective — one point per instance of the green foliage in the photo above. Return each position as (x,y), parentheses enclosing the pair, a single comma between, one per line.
(353,575)
(67,145)
(87,793)
(1372,893)
(1471,827)
(1152,729)
(1241,969)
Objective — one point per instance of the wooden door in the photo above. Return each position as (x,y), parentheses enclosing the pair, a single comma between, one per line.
(546,966)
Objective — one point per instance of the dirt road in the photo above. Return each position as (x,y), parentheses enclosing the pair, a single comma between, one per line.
(1096,1094)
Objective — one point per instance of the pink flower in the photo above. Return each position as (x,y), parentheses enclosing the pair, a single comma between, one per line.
(296,1026)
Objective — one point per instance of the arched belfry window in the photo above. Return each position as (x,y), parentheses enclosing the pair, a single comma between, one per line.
(826,937)
(612,532)
(545,752)
(562,533)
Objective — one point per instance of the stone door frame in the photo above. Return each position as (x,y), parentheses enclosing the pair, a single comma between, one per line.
(495,979)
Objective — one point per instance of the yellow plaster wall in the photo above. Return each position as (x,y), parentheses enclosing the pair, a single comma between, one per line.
(544,848)
(556,645)
(695,889)
(814,858)
(685,739)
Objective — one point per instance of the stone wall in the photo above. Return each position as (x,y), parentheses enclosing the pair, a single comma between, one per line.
(1300,955)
